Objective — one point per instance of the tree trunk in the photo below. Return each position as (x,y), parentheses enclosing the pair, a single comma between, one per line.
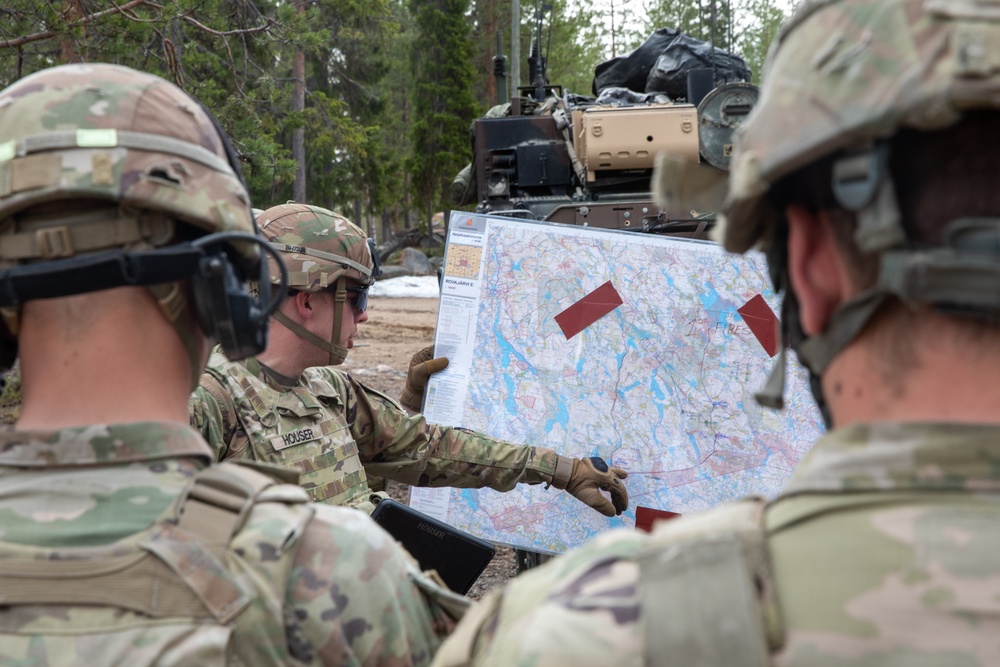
(406,204)
(490,30)
(72,12)
(299,134)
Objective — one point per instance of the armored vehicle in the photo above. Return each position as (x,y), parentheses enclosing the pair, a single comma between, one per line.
(588,161)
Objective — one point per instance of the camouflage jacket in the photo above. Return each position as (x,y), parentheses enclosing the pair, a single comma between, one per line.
(884,549)
(336,430)
(353,595)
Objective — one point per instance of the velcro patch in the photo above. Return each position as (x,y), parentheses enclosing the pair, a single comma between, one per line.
(977,49)
(100,164)
(35,171)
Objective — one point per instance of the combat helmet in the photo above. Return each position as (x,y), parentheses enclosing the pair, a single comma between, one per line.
(322,251)
(841,79)
(112,177)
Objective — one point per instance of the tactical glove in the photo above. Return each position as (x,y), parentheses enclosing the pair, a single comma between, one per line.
(422,365)
(586,478)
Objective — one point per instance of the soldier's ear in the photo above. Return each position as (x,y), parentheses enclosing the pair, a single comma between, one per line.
(816,268)
(304,305)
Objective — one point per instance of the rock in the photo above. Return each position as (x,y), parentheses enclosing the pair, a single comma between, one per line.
(393,271)
(437,262)
(416,262)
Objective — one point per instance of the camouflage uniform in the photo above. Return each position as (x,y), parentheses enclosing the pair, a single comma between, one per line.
(882,549)
(349,595)
(122,544)
(335,429)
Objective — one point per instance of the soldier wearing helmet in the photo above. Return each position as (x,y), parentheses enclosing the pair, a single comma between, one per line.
(127,250)
(290,407)
(865,172)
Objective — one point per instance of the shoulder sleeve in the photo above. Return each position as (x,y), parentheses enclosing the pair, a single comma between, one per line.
(213,414)
(580,608)
(403,447)
(356,597)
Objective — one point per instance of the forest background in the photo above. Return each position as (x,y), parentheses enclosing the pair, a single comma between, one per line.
(361,106)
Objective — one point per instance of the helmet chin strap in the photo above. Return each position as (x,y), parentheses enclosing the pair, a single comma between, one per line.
(337,354)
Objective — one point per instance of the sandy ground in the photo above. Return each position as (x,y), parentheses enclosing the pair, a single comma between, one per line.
(396,329)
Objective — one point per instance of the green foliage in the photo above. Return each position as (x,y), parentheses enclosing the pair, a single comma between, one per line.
(443,102)
(756,26)
(575,46)
(391,85)
(235,56)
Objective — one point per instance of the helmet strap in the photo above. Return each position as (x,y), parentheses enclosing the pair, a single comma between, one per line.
(337,354)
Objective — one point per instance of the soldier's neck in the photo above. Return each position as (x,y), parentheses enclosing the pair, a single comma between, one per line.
(119,370)
(287,354)
(946,382)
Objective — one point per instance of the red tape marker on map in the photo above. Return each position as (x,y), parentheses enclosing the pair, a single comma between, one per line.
(588,310)
(762,322)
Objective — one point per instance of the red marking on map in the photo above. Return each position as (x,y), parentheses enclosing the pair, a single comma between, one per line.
(762,322)
(588,310)
(645,517)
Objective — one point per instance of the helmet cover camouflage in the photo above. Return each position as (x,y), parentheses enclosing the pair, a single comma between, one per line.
(843,73)
(105,132)
(126,156)
(318,246)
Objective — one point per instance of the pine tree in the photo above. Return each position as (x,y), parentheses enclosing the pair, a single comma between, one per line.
(443,101)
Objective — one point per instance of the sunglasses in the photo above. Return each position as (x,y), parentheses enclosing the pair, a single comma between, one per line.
(359,298)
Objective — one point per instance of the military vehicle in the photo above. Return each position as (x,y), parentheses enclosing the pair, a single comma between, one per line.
(586,161)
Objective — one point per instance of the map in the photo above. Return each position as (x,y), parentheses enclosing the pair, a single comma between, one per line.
(642,349)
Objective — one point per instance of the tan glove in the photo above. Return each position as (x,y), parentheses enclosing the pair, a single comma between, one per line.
(586,478)
(422,365)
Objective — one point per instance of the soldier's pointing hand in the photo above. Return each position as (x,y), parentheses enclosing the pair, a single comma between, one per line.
(586,478)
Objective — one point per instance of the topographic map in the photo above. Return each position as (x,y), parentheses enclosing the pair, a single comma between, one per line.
(636,348)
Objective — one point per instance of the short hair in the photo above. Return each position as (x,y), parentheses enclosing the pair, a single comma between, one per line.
(938,176)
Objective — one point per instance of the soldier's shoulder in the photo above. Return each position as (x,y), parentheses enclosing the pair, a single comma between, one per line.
(324,377)
(594,593)
(589,594)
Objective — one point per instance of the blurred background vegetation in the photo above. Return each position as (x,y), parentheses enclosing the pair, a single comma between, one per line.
(362,106)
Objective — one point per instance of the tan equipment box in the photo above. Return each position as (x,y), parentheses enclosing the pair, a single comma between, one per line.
(623,138)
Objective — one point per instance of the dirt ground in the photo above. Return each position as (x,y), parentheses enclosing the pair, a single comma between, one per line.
(396,329)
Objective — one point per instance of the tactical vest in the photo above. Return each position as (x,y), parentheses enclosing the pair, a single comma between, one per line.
(297,427)
(707,590)
(219,559)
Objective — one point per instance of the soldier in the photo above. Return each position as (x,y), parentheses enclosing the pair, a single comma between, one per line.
(866,172)
(125,250)
(288,406)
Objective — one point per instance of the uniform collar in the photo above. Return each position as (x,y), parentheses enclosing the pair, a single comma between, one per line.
(902,457)
(274,379)
(104,444)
